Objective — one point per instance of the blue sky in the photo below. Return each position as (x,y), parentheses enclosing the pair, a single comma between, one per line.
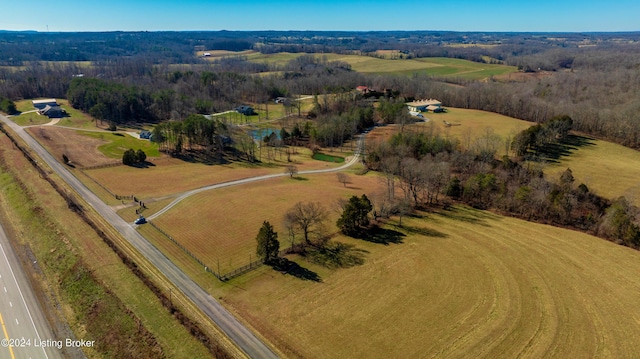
(457,15)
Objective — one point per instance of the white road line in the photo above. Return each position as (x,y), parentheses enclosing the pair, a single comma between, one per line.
(11,304)
(5,289)
(18,323)
(22,296)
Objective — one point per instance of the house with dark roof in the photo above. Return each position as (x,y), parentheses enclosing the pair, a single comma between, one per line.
(246,110)
(53,111)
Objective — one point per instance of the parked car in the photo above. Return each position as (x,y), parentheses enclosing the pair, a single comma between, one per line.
(140,220)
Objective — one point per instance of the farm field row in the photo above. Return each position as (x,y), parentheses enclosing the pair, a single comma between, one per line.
(463,283)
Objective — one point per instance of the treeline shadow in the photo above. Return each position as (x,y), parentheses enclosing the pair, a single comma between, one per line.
(554,152)
(380,235)
(201,157)
(336,255)
(474,217)
(427,232)
(285,266)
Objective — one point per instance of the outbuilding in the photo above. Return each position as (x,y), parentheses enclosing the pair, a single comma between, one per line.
(41,104)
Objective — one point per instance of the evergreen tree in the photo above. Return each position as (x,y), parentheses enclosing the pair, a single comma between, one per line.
(140,156)
(268,245)
(129,157)
(355,215)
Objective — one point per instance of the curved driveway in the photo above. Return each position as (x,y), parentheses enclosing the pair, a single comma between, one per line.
(351,162)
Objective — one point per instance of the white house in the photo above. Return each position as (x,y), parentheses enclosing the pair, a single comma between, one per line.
(424,105)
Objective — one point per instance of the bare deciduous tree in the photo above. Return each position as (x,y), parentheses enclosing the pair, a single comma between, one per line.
(307,217)
(292,170)
(342,178)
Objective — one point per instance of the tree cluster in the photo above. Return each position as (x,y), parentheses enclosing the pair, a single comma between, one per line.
(132,157)
(193,133)
(7,106)
(518,188)
(109,101)
(539,136)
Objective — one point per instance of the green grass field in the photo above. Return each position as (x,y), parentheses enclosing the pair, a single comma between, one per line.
(463,283)
(118,143)
(432,66)
(328,158)
(607,169)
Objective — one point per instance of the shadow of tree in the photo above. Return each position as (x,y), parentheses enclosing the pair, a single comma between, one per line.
(336,255)
(285,266)
(427,232)
(554,152)
(202,157)
(469,216)
(381,235)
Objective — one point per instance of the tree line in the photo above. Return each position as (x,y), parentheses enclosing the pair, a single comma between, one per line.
(514,186)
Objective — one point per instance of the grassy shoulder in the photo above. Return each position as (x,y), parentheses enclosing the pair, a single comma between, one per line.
(101,298)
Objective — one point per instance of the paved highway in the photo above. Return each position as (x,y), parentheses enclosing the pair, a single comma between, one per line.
(25,331)
(243,337)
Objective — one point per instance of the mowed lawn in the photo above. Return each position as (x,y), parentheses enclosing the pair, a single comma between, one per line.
(221,224)
(608,169)
(463,284)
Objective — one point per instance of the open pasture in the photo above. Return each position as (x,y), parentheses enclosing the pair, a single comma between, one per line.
(169,176)
(466,125)
(433,66)
(608,169)
(221,225)
(463,283)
